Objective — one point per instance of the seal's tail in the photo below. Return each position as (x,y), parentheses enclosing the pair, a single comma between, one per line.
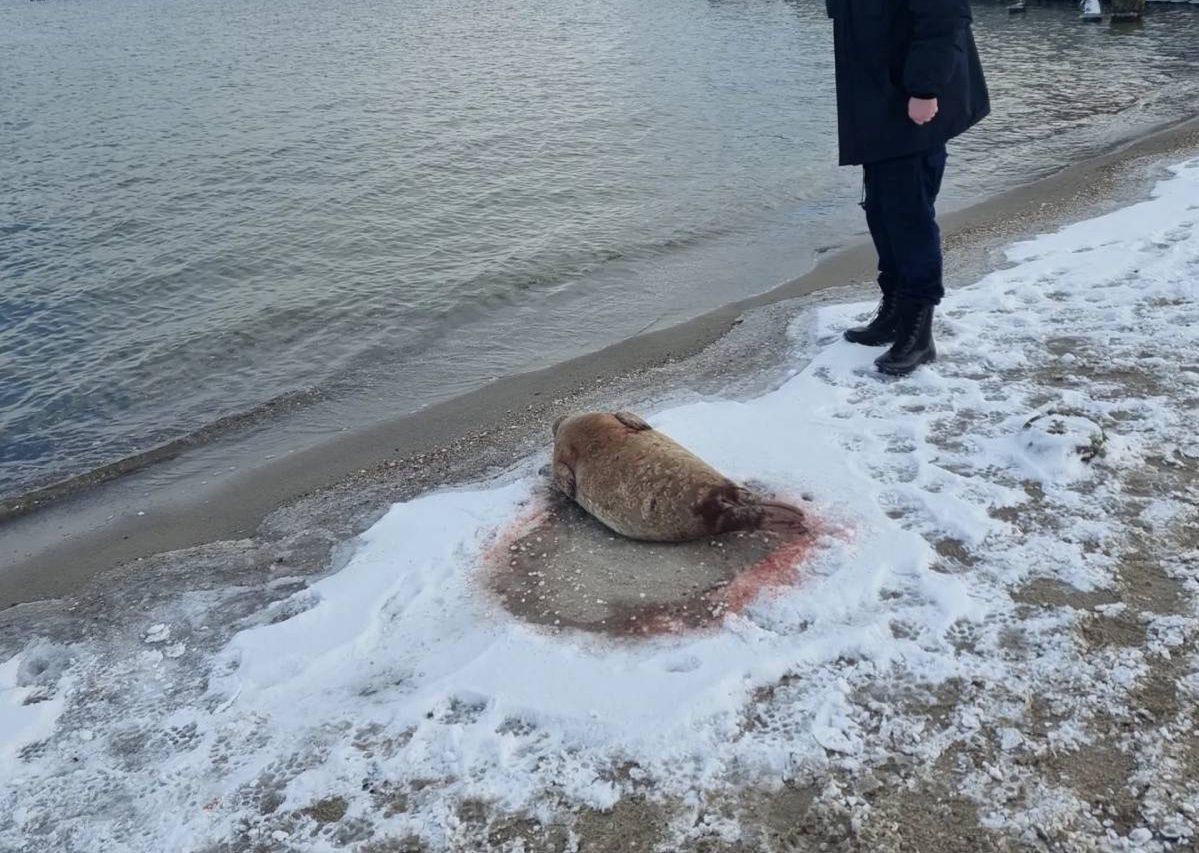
(782,518)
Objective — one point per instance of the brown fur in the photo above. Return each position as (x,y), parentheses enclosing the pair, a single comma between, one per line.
(644,485)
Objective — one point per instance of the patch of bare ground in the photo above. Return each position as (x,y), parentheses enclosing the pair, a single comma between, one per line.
(954,554)
(1049,592)
(1119,629)
(1100,774)
(894,807)
(528,835)
(480,827)
(328,810)
(633,825)
(784,818)
(1146,586)
(562,569)
(930,819)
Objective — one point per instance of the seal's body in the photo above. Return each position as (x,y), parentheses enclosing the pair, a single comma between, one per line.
(644,485)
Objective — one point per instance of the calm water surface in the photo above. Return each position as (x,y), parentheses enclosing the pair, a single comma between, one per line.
(209,205)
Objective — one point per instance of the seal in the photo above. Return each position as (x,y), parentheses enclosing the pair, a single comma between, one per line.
(644,485)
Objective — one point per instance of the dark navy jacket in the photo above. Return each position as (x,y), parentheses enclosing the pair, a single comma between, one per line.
(889,50)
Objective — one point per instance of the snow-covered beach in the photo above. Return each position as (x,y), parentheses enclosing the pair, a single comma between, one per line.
(993,643)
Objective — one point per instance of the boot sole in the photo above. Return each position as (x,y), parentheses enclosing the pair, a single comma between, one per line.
(877,343)
(904,371)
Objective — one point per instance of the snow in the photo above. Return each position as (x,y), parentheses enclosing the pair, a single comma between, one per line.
(158,633)
(401,668)
(27,714)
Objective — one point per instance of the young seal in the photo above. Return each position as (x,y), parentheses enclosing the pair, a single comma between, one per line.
(644,485)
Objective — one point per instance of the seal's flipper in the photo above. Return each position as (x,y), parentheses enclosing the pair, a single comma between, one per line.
(734,508)
(632,421)
(564,479)
(782,518)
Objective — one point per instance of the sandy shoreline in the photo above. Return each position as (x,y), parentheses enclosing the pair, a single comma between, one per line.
(308,501)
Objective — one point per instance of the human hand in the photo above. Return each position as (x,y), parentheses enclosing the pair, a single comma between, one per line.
(922,110)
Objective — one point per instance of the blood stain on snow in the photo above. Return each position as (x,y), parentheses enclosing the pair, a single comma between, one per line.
(778,569)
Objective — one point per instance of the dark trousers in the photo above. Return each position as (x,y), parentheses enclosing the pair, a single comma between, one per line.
(900,198)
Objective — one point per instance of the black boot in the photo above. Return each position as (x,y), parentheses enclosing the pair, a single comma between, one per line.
(913,339)
(881,328)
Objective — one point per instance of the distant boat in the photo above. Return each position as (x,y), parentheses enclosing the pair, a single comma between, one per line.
(1124,11)
(1091,13)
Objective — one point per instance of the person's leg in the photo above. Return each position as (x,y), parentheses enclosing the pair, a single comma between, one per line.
(907,200)
(881,327)
(932,170)
(877,223)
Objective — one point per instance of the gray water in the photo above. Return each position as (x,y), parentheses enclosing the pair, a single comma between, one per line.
(207,206)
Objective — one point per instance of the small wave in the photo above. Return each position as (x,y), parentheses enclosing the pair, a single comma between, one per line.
(29,501)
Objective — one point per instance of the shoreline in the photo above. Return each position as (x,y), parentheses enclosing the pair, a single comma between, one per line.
(337,486)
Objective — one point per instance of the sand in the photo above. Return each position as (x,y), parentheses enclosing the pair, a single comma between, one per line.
(562,569)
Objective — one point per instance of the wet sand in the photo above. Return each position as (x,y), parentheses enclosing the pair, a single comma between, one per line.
(313,498)
(561,569)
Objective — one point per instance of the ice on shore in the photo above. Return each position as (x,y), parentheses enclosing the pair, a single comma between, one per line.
(399,672)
